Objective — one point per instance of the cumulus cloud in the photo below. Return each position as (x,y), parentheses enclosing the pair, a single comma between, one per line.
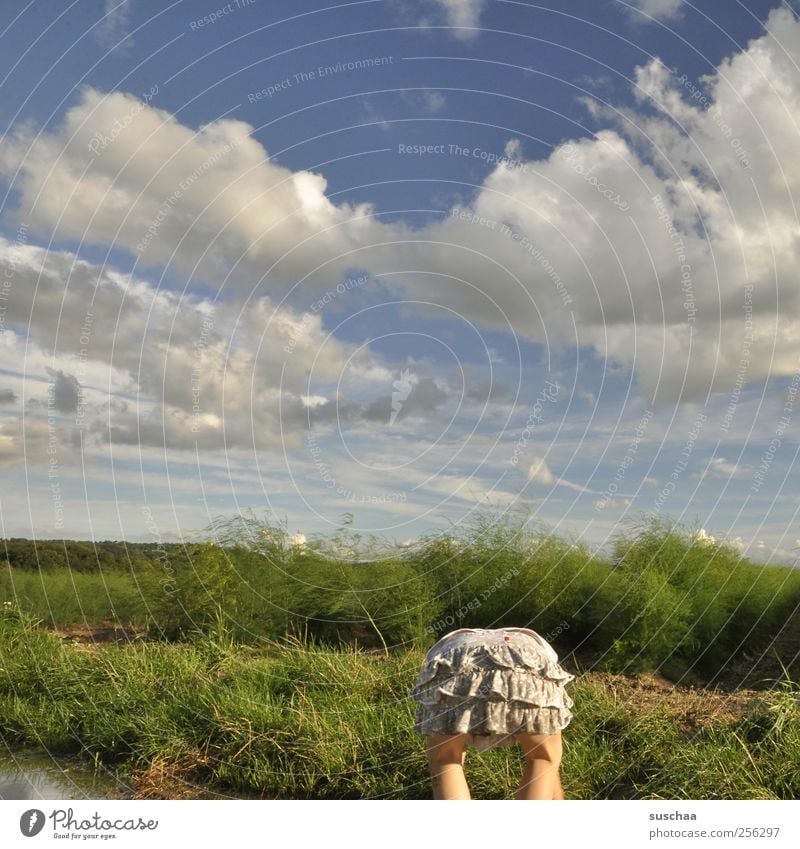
(226,374)
(120,171)
(702,537)
(656,229)
(667,243)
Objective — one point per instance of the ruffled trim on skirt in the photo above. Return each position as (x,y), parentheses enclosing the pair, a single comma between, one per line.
(491,691)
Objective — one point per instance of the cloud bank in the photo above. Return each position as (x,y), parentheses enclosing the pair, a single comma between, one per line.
(667,244)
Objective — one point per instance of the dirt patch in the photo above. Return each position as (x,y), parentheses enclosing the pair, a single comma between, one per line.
(99,633)
(692,708)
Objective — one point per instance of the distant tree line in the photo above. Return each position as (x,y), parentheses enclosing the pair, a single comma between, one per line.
(21,553)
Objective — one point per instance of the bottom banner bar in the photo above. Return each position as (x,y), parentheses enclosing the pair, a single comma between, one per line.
(344,824)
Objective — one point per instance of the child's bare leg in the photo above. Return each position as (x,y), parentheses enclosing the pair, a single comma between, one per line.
(446,754)
(540,779)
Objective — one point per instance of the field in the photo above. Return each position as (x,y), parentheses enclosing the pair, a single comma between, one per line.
(259,668)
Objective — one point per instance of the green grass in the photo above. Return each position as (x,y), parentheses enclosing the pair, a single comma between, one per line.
(660,599)
(253,675)
(307,721)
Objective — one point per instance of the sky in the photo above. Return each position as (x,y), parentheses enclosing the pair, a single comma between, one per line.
(400,263)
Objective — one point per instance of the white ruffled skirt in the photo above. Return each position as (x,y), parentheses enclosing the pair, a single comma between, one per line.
(491,684)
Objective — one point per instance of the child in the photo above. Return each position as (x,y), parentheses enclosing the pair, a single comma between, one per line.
(485,688)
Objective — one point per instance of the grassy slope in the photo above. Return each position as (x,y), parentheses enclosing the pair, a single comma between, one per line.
(293,721)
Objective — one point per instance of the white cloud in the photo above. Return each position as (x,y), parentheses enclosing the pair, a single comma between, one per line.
(574,242)
(612,503)
(759,549)
(704,538)
(434,101)
(238,373)
(120,171)
(463,13)
(678,323)
(111,30)
(427,100)
(539,472)
(513,149)
(660,9)
(719,467)
(298,540)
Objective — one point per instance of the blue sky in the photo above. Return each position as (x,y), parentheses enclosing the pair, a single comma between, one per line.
(404,260)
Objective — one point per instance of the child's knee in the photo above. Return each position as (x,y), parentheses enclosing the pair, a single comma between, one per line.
(542,747)
(446,748)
